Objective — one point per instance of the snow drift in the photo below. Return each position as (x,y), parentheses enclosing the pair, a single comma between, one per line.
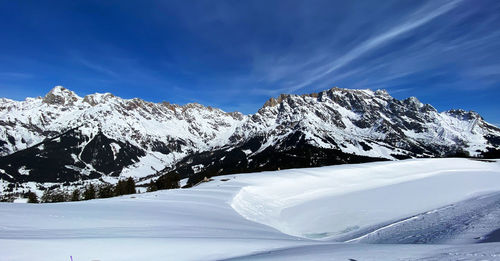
(241,218)
(331,201)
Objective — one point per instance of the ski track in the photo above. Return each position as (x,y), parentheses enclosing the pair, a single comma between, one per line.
(469,221)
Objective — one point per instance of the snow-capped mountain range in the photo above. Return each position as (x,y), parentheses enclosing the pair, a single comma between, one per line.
(63,137)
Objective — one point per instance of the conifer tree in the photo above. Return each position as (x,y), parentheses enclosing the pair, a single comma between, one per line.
(75,196)
(106,191)
(130,186)
(124,187)
(120,188)
(168,181)
(89,192)
(32,197)
(152,186)
(53,196)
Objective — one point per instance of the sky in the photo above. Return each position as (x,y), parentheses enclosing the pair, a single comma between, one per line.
(235,55)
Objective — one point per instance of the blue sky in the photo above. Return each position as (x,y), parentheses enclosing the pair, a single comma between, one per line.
(236,54)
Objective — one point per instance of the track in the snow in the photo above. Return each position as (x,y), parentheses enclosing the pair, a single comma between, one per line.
(476,220)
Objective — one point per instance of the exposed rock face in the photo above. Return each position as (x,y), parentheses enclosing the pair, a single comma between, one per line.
(60,96)
(131,137)
(346,119)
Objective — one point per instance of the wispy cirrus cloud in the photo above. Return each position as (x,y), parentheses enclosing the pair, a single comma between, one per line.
(94,66)
(417,19)
(110,65)
(15,75)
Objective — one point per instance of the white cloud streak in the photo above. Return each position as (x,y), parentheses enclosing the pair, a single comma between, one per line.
(417,19)
(96,67)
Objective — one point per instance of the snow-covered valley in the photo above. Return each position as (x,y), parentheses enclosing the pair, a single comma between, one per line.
(340,212)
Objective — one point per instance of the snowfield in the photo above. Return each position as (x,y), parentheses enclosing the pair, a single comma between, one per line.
(423,209)
(328,201)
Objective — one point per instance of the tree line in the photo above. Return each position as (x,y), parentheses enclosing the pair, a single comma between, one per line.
(168,181)
(123,187)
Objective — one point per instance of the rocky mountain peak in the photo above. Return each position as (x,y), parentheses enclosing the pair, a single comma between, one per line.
(236,115)
(275,101)
(356,100)
(412,100)
(382,92)
(60,96)
(464,115)
(96,98)
(270,103)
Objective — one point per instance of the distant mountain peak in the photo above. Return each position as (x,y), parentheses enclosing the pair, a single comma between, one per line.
(97,98)
(60,96)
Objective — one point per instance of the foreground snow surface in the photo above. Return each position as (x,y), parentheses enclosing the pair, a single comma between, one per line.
(328,213)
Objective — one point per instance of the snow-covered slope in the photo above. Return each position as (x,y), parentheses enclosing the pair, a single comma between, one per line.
(364,122)
(163,131)
(204,223)
(151,126)
(331,202)
(339,126)
(101,135)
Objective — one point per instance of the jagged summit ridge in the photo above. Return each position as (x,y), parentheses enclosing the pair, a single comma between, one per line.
(159,135)
(349,117)
(144,124)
